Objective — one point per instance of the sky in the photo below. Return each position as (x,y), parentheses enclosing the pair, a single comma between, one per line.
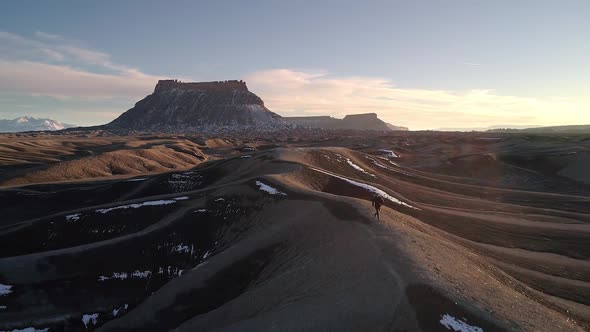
(421,64)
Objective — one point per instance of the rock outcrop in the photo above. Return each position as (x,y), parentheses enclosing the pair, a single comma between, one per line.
(199,107)
(366,121)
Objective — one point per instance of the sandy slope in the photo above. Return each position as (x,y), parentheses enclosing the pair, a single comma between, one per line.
(52,159)
(305,254)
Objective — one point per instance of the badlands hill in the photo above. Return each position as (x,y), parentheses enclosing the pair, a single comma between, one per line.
(478,233)
(199,107)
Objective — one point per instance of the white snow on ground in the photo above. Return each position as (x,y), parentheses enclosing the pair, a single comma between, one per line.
(147,203)
(246,156)
(201,210)
(5,289)
(391,162)
(206,255)
(138,179)
(220,199)
(183,248)
(376,162)
(2,307)
(326,156)
(90,318)
(358,168)
(369,188)
(30,329)
(116,275)
(125,275)
(170,271)
(117,310)
(141,274)
(269,189)
(390,153)
(73,217)
(391,169)
(454,324)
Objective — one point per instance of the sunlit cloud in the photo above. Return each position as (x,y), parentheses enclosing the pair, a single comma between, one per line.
(60,81)
(298,93)
(52,66)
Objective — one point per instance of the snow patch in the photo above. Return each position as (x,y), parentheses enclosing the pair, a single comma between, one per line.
(183,248)
(220,199)
(246,156)
(138,205)
(454,324)
(90,318)
(125,275)
(73,217)
(206,255)
(269,189)
(181,198)
(391,169)
(358,168)
(170,271)
(389,153)
(117,310)
(116,275)
(201,210)
(2,307)
(30,329)
(141,274)
(369,188)
(5,289)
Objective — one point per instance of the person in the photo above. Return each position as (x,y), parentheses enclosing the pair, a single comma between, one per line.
(377,201)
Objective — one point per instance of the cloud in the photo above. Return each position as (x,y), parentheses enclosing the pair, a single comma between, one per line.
(46,35)
(50,65)
(61,81)
(295,92)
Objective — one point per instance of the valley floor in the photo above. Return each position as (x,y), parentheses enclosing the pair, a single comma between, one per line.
(475,235)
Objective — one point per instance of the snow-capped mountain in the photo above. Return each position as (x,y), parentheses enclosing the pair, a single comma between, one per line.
(31,123)
(199,107)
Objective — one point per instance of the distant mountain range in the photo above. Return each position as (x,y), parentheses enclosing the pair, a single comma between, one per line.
(500,127)
(570,129)
(366,121)
(31,123)
(526,129)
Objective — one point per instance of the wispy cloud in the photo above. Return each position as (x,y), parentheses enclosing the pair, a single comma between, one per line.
(299,92)
(61,81)
(46,35)
(50,65)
